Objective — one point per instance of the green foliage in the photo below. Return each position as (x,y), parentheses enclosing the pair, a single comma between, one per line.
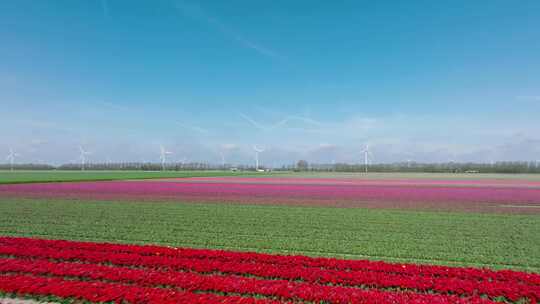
(302,165)
(63,176)
(491,240)
(451,167)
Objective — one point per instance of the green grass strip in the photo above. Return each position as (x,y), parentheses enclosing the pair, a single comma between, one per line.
(17,177)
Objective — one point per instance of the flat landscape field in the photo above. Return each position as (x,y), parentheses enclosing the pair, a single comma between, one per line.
(495,240)
(8,177)
(483,222)
(485,195)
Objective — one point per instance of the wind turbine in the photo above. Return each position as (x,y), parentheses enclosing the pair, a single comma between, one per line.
(82,156)
(367,154)
(11,157)
(257,151)
(108,162)
(163,156)
(222,159)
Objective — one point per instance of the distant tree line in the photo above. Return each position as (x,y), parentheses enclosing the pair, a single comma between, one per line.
(148,166)
(302,165)
(128,166)
(137,166)
(27,167)
(450,167)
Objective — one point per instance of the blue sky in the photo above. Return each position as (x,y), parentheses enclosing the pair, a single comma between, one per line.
(420,80)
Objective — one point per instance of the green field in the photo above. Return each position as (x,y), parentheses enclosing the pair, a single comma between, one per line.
(490,240)
(7,177)
(498,241)
(410,175)
(66,176)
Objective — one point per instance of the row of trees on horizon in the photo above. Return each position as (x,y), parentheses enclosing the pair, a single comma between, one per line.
(302,165)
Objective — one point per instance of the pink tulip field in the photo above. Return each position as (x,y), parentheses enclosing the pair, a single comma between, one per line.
(459,195)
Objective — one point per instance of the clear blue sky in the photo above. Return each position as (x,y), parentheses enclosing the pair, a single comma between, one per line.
(421,80)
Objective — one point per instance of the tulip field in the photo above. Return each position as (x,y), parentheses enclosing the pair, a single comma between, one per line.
(101,272)
(278,238)
(477,195)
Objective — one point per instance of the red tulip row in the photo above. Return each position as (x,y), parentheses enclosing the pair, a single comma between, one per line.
(96,291)
(321,263)
(512,290)
(285,290)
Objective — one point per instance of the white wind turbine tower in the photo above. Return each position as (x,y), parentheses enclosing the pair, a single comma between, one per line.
(11,157)
(108,162)
(367,154)
(82,156)
(163,156)
(257,151)
(222,154)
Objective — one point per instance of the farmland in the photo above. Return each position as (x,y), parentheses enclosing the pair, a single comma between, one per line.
(486,222)
(501,241)
(7,177)
(478,196)
(172,275)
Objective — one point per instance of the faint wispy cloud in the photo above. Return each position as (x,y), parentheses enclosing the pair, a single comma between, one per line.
(284,123)
(193,128)
(113,106)
(42,124)
(195,11)
(254,123)
(37,123)
(288,119)
(229,146)
(38,142)
(262,50)
(303,119)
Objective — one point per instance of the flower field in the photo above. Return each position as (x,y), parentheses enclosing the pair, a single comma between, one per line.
(104,272)
(481,195)
(366,181)
(489,242)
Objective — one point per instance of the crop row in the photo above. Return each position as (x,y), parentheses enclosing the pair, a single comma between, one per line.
(285,290)
(360,181)
(512,287)
(468,273)
(96,291)
(247,191)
